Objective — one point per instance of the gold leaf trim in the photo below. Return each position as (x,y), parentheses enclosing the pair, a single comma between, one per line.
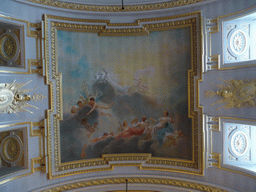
(116,8)
(135,180)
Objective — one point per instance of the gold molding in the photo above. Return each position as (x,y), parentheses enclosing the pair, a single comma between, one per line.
(34,30)
(35,66)
(132,191)
(126,157)
(217,158)
(41,167)
(40,133)
(191,20)
(102,30)
(116,8)
(213,125)
(135,180)
(214,119)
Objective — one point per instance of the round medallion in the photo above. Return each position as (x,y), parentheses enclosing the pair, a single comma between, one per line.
(210,93)
(9,46)
(238,42)
(40,97)
(239,143)
(11,149)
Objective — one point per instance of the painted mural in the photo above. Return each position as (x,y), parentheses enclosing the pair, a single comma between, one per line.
(125,94)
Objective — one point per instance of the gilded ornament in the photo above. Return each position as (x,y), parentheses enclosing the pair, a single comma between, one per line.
(38,97)
(11,149)
(116,8)
(209,93)
(136,180)
(9,46)
(237,93)
(13,98)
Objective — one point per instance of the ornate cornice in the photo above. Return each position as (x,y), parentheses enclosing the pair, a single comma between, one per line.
(135,180)
(115,8)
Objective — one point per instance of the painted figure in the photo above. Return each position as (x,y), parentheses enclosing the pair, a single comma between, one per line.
(141,125)
(74,110)
(138,129)
(80,104)
(94,105)
(162,122)
(159,131)
(164,126)
(85,124)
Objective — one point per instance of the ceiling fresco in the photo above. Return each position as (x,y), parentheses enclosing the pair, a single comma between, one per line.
(107,109)
(117,115)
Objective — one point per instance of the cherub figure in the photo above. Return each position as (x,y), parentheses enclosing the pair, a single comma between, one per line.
(74,110)
(94,106)
(85,124)
(80,104)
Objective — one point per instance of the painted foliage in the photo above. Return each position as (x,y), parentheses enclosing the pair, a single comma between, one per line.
(125,94)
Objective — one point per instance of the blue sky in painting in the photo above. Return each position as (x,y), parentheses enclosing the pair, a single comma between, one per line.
(81,56)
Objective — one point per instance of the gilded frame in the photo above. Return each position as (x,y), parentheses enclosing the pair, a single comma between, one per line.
(57,169)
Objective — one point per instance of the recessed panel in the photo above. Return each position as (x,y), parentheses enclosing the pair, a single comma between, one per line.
(12,151)
(124,94)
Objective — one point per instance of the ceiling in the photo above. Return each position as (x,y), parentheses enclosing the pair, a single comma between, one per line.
(49,35)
